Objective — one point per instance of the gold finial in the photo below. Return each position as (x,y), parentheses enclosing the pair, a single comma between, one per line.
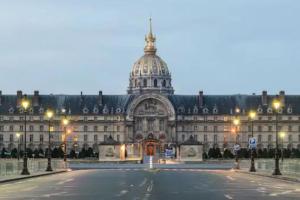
(150,41)
(150,23)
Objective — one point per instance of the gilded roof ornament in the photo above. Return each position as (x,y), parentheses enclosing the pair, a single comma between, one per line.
(150,41)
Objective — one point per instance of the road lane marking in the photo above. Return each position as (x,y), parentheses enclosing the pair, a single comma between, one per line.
(29,189)
(230,178)
(65,181)
(143,182)
(122,192)
(228,196)
(150,187)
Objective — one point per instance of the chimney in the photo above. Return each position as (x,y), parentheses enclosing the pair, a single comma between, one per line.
(19,98)
(35,100)
(264,99)
(201,101)
(282,97)
(0,97)
(100,98)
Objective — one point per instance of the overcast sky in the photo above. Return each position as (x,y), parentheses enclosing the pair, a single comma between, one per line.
(220,47)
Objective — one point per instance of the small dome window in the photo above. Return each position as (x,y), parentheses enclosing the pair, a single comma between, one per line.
(205,110)
(85,110)
(290,110)
(270,110)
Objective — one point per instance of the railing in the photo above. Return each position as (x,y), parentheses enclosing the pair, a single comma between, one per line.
(14,167)
(287,166)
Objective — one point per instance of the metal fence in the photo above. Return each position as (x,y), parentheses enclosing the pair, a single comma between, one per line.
(10,167)
(287,166)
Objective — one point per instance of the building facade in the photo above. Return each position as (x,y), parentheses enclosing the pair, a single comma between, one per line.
(150,111)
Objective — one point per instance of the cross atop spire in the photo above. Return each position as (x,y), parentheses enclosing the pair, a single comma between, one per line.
(150,41)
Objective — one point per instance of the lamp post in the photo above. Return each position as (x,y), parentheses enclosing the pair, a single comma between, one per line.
(252,115)
(25,105)
(282,135)
(49,115)
(65,122)
(18,150)
(277,105)
(236,123)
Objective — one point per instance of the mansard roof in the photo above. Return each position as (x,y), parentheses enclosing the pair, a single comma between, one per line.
(117,104)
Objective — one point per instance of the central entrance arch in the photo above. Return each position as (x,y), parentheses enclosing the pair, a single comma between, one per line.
(153,123)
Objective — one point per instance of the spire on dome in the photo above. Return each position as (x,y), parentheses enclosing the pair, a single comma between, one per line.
(150,41)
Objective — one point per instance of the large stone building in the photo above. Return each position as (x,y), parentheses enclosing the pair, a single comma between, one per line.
(150,111)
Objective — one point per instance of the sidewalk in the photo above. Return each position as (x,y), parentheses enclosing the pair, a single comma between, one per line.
(285,176)
(4,179)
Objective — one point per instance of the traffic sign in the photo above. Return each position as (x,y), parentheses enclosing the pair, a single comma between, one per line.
(236,147)
(252,143)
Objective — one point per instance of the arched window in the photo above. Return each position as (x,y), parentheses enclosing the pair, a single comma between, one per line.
(145,82)
(155,82)
(164,83)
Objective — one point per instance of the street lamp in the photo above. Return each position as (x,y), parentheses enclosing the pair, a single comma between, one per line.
(236,123)
(18,137)
(65,122)
(49,115)
(282,135)
(277,105)
(25,103)
(252,115)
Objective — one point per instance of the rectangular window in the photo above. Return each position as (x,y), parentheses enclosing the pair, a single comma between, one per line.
(118,138)
(215,129)
(196,137)
(2,128)
(259,139)
(21,128)
(279,128)
(259,128)
(270,128)
(85,138)
(205,128)
(41,138)
(31,138)
(11,128)
(290,138)
(21,118)
(182,137)
(1,138)
(11,138)
(11,118)
(195,128)
(205,138)
(30,128)
(41,128)
(95,128)
(105,137)
(270,138)
(290,128)
(85,128)
(270,118)
(249,128)
(95,138)
(105,128)
(118,128)
(215,138)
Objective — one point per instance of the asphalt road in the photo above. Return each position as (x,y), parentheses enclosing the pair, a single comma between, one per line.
(165,184)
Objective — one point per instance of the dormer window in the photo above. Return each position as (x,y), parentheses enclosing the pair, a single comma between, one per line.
(215,111)
(290,110)
(205,110)
(118,110)
(95,110)
(270,110)
(85,110)
(195,111)
(21,110)
(280,110)
(11,110)
(181,109)
(105,110)
(260,110)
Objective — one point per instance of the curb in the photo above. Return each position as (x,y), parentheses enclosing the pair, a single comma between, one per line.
(31,176)
(271,176)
